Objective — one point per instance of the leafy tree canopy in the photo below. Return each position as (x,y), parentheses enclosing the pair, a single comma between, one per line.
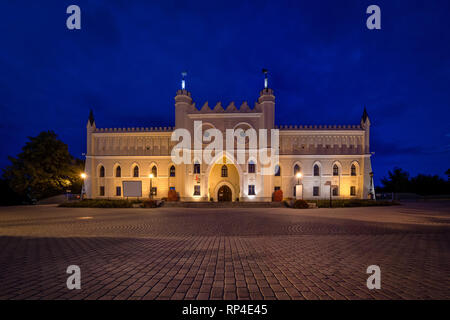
(400,181)
(43,168)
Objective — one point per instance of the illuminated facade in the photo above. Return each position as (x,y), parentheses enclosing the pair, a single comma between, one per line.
(332,159)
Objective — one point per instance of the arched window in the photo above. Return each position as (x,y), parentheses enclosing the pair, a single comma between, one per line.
(154,171)
(196,168)
(102,172)
(296,169)
(136,171)
(118,172)
(335,170)
(172,171)
(224,171)
(277,170)
(353,170)
(316,170)
(251,167)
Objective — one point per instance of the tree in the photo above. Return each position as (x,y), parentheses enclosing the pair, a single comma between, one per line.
(43,168)
(448,174)
(428,185)
(397,181)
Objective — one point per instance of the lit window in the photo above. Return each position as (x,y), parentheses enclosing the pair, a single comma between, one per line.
(172,171)
(196,190)
(224,171)
(251,190)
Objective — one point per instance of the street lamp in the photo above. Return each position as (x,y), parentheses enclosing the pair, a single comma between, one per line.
(298,175)
(83,176)
(151,185)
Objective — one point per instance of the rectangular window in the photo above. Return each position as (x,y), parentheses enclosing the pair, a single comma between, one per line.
(172,188)
(102,190)
(196,168)
(251,190)
(335,191)
(295,191)
(154,191)
(251,168)
(277,188)
(353,191)
(118,191)
(315,191)
(196,190)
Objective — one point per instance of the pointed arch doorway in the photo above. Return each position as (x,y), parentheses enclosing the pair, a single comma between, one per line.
(224,194)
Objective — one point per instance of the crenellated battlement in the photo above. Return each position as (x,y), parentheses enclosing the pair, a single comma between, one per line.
(135,129)
(231,108)
(319,127)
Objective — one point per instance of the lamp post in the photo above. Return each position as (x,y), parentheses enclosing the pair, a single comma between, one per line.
(299,176)
(83,176)
(151,185)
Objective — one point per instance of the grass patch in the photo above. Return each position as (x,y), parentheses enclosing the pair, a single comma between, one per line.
(352,203)
(99,203)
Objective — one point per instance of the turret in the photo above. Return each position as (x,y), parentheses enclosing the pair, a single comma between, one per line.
(365,124)
(88,166)
(90,128)
(267,103)
(183,103)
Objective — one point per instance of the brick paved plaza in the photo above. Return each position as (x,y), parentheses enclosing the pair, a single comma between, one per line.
(258,253)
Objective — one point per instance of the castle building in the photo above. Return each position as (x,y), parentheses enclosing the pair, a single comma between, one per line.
(315,162)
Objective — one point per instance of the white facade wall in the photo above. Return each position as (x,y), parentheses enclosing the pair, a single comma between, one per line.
(301,145)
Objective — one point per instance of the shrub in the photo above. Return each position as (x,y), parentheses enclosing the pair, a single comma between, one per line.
(172,196)
(149,204)
(301,204)
(277,196)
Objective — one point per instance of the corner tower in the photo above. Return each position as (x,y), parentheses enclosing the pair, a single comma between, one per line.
(365,124)
(183,104)
(266,101)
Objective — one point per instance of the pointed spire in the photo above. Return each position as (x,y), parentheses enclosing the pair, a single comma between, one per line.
(365,115)
(91,118)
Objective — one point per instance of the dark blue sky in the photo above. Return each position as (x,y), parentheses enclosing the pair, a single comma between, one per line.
(325,66)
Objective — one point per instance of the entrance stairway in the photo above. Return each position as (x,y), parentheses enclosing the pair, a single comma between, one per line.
(224,204)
